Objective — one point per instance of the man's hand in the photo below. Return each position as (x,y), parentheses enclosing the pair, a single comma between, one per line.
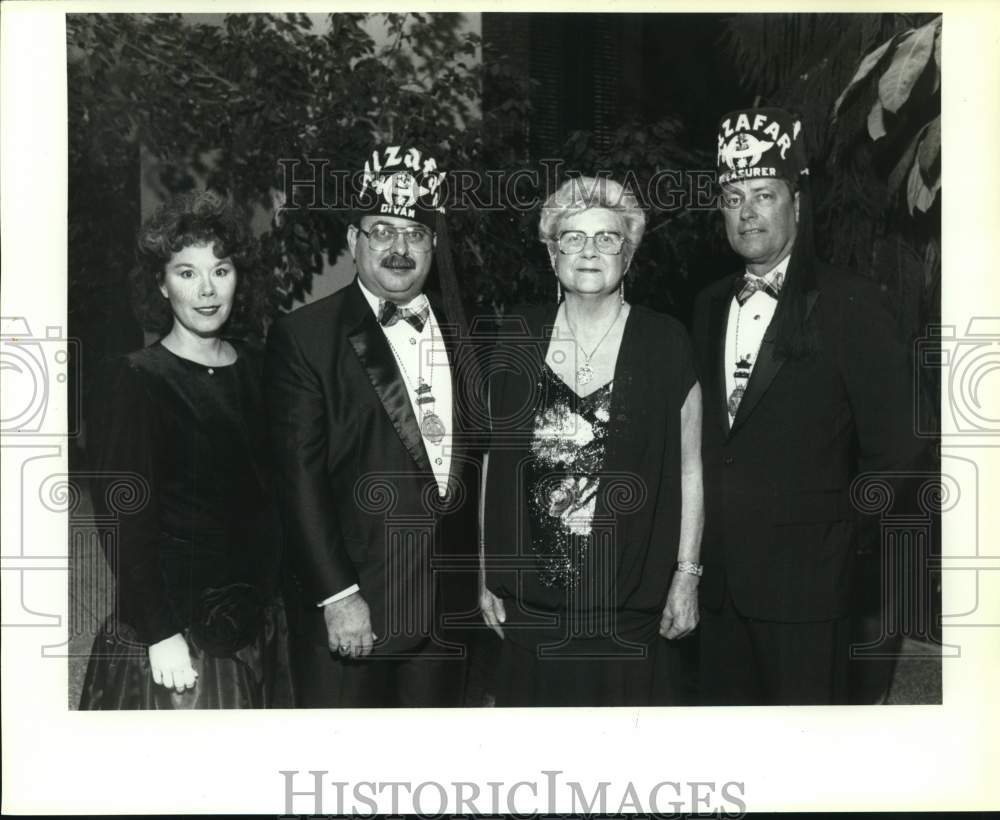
(349,626)
(680,615)
(493,610)
(170,662)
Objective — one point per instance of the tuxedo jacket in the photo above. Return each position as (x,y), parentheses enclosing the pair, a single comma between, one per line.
(780,526)
(358,496)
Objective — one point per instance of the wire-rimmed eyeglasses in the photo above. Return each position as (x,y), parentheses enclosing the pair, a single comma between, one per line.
(606,242)
(381,237)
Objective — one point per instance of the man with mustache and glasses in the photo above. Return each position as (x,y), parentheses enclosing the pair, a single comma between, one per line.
(805,386)
(367,433)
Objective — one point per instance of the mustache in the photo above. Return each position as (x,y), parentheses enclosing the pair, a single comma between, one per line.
(399,261)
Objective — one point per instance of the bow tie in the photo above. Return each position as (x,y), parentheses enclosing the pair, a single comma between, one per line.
(389,313)
(749,285)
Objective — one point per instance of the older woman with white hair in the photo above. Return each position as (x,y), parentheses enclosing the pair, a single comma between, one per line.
(592,511)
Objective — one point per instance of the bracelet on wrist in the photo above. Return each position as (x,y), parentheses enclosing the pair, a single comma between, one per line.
(690,568)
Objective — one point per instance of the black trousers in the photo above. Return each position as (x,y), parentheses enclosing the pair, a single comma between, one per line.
(431,674)
(750,662)
(325,680)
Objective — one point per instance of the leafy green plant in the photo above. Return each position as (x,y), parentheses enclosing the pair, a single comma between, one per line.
(908,67)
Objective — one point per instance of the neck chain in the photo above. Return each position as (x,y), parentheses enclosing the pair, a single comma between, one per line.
(431,426)
(744,360)
(585,373)
(742,372)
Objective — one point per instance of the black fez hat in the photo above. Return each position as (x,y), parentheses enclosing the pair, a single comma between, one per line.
(761,142)
(403,181)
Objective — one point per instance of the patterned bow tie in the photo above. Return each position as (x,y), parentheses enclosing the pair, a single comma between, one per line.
(771,285)
(389,313)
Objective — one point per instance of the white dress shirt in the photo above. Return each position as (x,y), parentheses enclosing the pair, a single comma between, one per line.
(419,355)
(747,324)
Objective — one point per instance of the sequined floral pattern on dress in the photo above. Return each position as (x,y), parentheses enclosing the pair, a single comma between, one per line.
(568,446)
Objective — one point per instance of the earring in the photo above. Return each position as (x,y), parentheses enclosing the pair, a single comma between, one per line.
(621,292)
(558,291)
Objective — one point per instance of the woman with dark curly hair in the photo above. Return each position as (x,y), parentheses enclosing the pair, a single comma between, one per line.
(192,537)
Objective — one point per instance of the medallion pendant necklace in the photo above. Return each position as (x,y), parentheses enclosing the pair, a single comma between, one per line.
(585,373)
(431,426)
(742,372)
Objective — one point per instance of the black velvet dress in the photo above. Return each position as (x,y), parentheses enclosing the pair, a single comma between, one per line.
(191,533)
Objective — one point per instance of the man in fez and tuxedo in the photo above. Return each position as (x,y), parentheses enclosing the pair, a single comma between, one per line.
(366,425)
(805,386)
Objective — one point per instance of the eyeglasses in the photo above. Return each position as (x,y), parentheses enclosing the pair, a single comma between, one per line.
(381,237)
(606,242)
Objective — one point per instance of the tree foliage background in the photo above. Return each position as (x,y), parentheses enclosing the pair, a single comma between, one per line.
(222,103)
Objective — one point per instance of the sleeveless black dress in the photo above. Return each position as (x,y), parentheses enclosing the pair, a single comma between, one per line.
(582,519)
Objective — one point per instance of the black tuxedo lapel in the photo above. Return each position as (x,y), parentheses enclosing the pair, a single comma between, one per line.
(767,367)
(376,357)
(715,389)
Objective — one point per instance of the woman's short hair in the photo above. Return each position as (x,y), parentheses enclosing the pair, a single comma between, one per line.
(581,193)
(196,218)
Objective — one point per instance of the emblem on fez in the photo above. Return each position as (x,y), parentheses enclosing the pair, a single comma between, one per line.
(743,151)
(561,497)
(402,190)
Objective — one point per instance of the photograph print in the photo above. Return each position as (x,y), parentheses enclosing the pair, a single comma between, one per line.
(431,360)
